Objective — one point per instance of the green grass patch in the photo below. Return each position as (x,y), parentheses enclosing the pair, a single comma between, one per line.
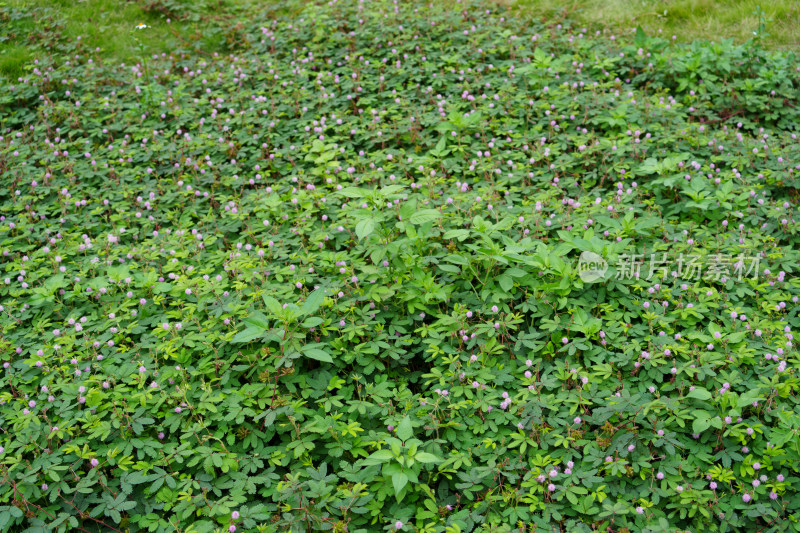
(740,20)
(13,59)
(33,28)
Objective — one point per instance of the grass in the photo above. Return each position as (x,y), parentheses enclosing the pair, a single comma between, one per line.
(29,27)
(13,57)
(688,20)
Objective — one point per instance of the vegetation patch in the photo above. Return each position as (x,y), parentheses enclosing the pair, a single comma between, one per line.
(400,266)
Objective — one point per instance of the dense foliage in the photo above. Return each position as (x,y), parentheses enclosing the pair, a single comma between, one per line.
(330,282)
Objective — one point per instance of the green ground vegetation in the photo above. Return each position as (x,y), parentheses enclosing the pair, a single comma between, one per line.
(776,22)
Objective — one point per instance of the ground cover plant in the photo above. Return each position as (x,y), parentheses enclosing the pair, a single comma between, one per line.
(402,266)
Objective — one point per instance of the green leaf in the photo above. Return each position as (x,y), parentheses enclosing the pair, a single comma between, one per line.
(248,335)
(258,320)
(749,397)
(54,283)
(449,268)
(352,192)
(319,355)
(379,457)
(700,393)
(425,457)
(161,288)
(408,209)
(391,189)
(134,478)
(459,234)
(404,429)
(399,480)
(702,422)
(273,305)
(424,215)
(364,228)
(313,302)
(312,322)
(126,505)
(114,514)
